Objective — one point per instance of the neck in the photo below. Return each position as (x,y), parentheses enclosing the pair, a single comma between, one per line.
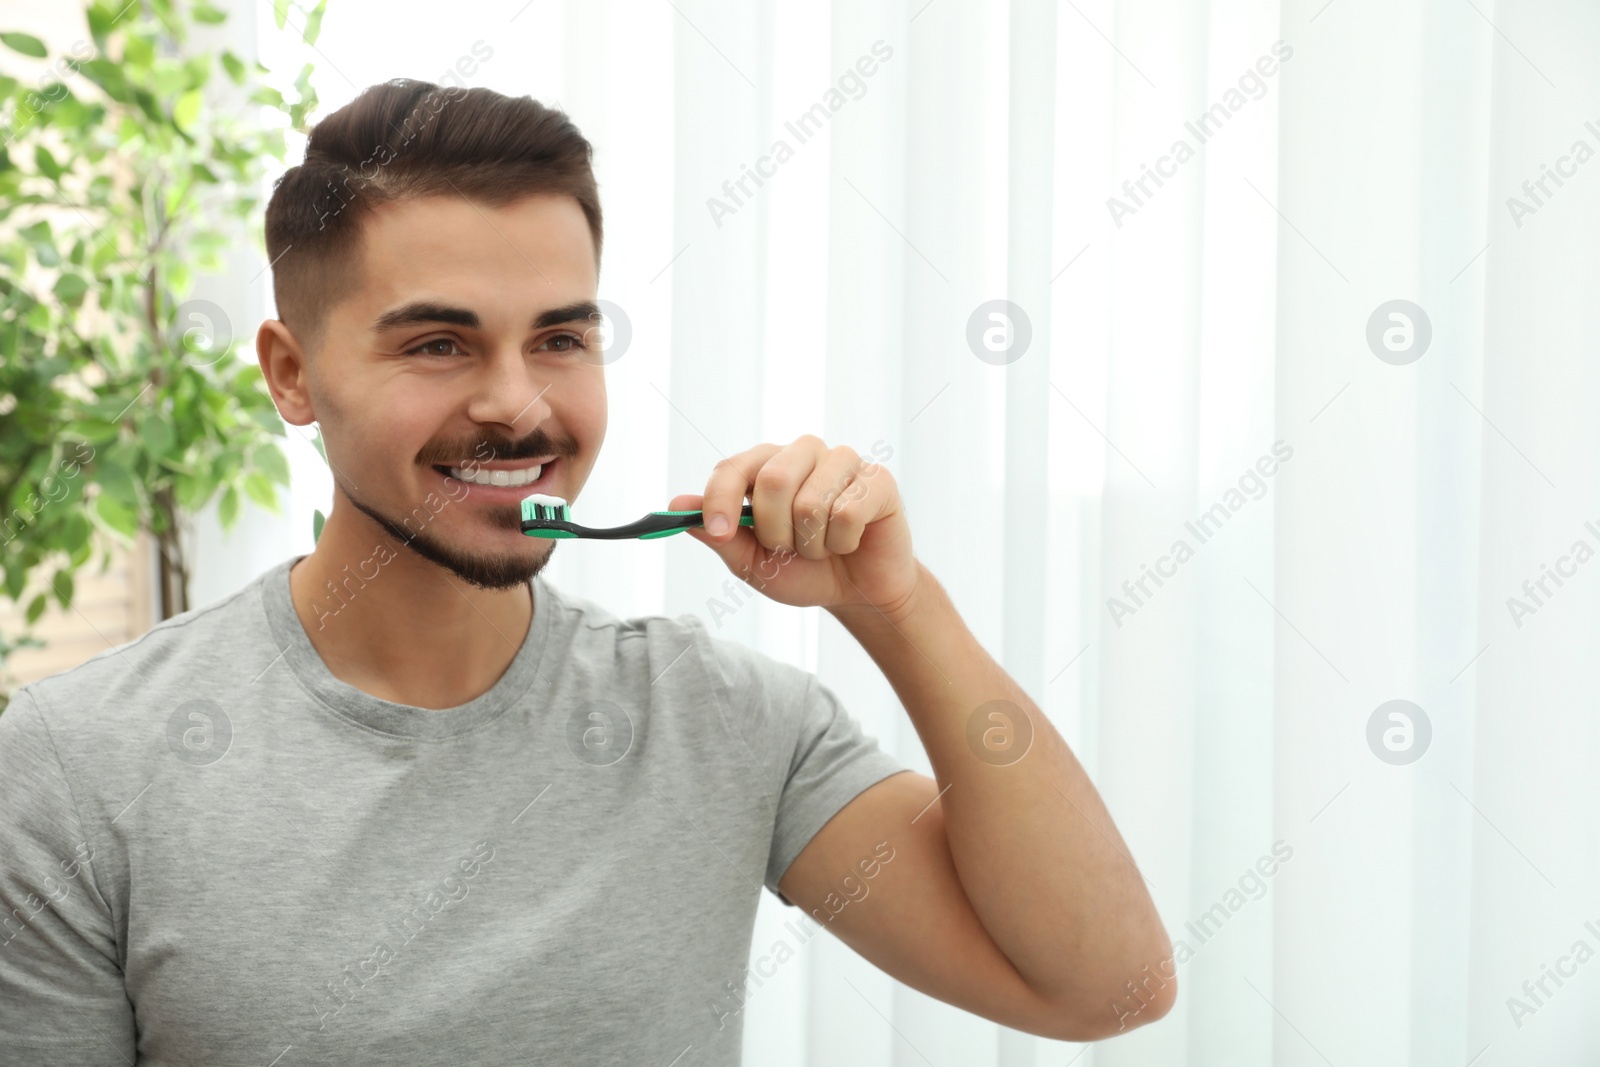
(398,626)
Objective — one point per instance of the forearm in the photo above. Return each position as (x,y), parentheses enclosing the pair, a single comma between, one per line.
(1038,856)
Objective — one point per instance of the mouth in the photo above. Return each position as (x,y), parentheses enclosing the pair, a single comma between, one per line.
(501,481)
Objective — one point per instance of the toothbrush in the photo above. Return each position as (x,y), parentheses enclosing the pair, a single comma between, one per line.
(551,517)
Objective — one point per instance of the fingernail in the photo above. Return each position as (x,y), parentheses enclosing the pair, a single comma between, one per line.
(718,525)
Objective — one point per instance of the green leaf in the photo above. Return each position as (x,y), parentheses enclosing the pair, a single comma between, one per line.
(137,52)
(108,76)
(191,491)
(314,22)
(234,66)
(106,254)
(16,578)
(228,507)
(76,534)
(224,464)
(70,113)
(267,419)
(62,585)
(100,20)
(317,519)
(280,12)
(70,288)
(81,554)
(73,492)
(157,433)
(186,110)
(200,69)
(259,489)
(117,515)
(44,245)
(28,45)
(270,462)
(212,16)
(47,163)
(36,608)
(115,481)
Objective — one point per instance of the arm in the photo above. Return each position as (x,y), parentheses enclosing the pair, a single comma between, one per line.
(62,999)
(1038,858)
(1015,897)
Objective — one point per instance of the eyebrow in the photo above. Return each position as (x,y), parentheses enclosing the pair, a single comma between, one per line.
(427,312)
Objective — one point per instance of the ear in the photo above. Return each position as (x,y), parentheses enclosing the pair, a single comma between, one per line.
(283,365)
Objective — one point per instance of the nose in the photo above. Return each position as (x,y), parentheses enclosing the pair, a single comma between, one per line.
(511,393)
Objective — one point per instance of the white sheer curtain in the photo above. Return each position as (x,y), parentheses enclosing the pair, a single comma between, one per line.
(1199,371)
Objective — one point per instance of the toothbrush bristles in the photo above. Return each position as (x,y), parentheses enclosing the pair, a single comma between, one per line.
(547,508)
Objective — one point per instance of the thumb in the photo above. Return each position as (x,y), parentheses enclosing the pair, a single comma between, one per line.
(738,552)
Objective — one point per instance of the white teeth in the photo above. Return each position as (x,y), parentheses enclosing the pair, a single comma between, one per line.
(479,476)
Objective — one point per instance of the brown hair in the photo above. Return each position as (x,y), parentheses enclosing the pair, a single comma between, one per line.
(401,140)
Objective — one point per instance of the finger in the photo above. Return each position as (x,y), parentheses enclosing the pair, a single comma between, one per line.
(692,502)
(871,495)
(739,552)
(831,476)
(776,483)
(849,514)
(728,485)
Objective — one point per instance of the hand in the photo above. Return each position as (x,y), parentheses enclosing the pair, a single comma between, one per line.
(829,528)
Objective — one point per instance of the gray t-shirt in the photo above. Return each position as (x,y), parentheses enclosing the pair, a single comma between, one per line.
(213,851)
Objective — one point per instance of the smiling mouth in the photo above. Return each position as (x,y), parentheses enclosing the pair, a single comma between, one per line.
(509,475)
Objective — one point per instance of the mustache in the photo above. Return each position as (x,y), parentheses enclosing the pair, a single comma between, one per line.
(492,446)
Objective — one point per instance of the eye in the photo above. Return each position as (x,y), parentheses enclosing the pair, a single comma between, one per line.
(422,349)
(576,343)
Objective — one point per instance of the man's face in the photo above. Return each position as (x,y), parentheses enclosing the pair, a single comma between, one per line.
(460,361)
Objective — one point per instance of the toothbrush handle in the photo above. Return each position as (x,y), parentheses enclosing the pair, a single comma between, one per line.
(684,520)
(747,517)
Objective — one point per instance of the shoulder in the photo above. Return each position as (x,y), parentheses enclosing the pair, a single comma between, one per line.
(129,684)
(675,654)
(580,616)
(111,724)
(590,628)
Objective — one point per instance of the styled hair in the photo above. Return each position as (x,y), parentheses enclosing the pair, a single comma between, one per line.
(401,140)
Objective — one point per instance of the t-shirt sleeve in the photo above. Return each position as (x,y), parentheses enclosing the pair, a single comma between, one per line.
(62,998)
(805,742)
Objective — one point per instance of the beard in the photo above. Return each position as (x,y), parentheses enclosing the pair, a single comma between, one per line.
(503,571)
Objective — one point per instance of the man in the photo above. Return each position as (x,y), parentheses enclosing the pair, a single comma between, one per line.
(402,801)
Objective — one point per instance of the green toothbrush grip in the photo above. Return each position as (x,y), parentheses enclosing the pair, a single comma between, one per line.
(746,518)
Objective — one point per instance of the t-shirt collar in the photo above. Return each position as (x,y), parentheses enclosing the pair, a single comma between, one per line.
(299,656)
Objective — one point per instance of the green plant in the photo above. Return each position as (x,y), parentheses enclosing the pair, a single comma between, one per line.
(123,404)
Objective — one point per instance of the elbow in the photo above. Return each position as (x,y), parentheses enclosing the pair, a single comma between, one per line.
(1145,993)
